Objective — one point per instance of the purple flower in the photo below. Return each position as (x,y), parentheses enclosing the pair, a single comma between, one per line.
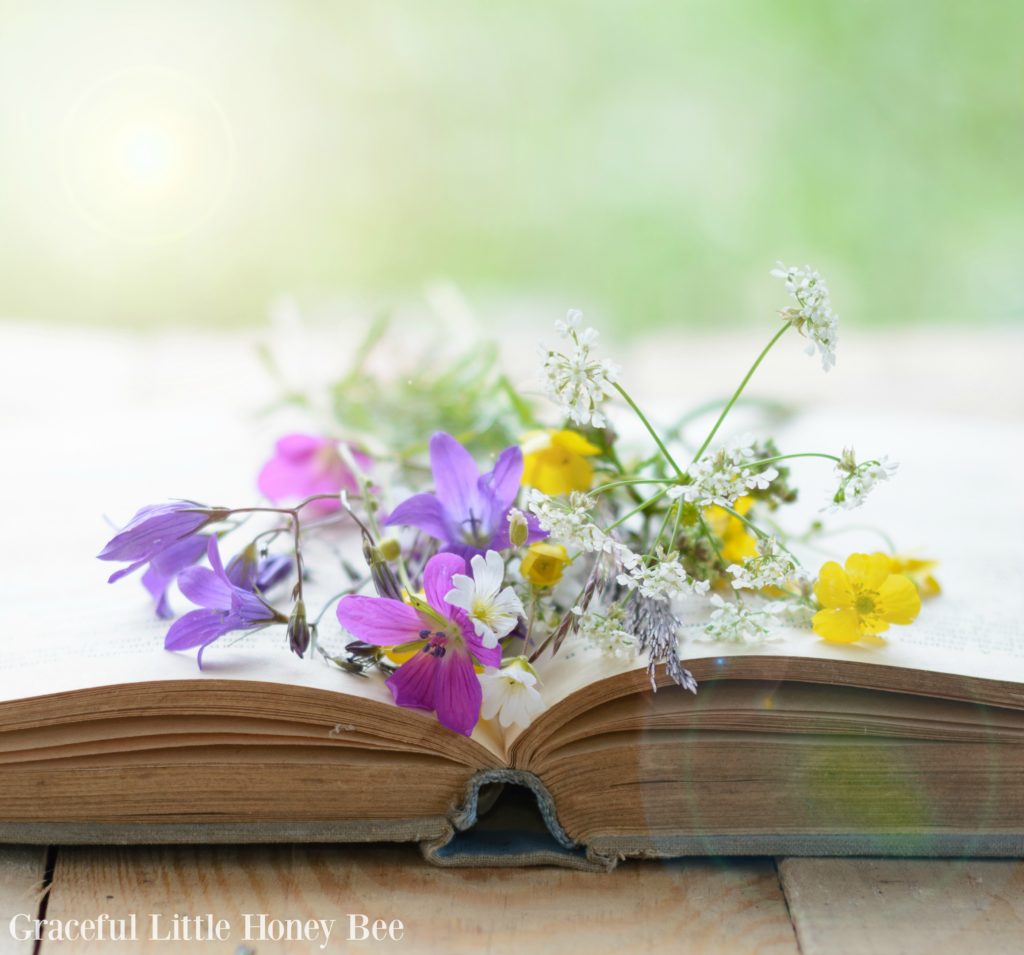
(468,511)
(304,465)
(226,607)
(440,676)
(251,572)
(165,537)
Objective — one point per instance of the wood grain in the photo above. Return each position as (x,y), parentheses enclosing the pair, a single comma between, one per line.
(22,872)
(649,907)
(905,906)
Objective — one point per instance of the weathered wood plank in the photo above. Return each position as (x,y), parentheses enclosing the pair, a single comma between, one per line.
(905,906)
(22,874)
(648,907)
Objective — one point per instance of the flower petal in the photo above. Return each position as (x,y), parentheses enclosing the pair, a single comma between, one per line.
(898,599)
(196,628)
(832,588)
(437,580)
(870,570)
(837,626)
(502,483)
(455,477)
(574,443)
(205,589)
(414,683)
(380,620)
(458,694)
(424,511)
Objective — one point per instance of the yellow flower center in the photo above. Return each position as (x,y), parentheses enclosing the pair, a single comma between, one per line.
(864,605)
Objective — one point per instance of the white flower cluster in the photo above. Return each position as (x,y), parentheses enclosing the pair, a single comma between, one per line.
(578,383)
(569,522)
(812,316)
(724,476)
(737,623)
(773,567)
(606,633)
(663,579)
(856,481)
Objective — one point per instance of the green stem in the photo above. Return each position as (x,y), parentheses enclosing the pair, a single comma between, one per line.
(630,481)
(650,429)
(786,457)
(636,510)
(760,533)
(739,391)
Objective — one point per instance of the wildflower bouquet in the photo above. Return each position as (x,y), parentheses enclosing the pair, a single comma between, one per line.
(495,538)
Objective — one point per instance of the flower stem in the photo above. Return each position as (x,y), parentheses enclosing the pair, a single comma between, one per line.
(650,429)
(642,506)
(760,533)
(802,454)
(739,391)
(629,482)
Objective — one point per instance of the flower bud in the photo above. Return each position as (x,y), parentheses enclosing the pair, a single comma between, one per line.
(543,564)
(389,549)
(518,528)
(298,629)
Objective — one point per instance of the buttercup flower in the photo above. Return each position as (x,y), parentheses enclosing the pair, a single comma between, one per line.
(578,383)
(225,607)
(737,542)
(494,612)
(440,676)
(468,511)
(812,316)
(304,465)
(862,600)
(556,462)
(919,570)
(543,564)
(511,694)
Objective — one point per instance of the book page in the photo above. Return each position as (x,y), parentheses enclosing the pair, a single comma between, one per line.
(941,504)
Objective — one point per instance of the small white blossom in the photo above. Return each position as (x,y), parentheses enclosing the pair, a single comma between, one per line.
(662,579)
(773,567)
(606,633)
(856,481)
(577,382)
(569,521)
(510,694)
(724,476)
(492,611)
(736,623)
(812,316)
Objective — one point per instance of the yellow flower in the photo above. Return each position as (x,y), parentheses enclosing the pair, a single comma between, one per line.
(862,600)
(918,569)
(555,462)
(737,542)
(543,564)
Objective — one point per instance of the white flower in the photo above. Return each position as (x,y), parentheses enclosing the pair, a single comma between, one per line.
(813,316)
(662,579)
(722,477)
(773,567)
(856,481)
(606,633)
(738,623)
(578,383)
(510,694)
(493,611)
(569,521)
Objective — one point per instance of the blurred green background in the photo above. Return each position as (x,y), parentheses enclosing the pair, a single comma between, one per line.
(188,162)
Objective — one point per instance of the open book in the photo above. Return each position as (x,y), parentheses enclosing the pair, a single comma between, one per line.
(793,747)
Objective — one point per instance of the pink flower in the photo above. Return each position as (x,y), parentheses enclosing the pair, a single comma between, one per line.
(440,676)
(304,465)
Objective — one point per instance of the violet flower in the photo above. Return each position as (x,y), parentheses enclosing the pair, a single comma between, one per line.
(440,676)
(165,537)
(468,511)
(225,607)
(304,465)
(251,572)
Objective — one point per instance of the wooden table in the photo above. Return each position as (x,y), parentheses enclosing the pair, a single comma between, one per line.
(160,391)
(779,906)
